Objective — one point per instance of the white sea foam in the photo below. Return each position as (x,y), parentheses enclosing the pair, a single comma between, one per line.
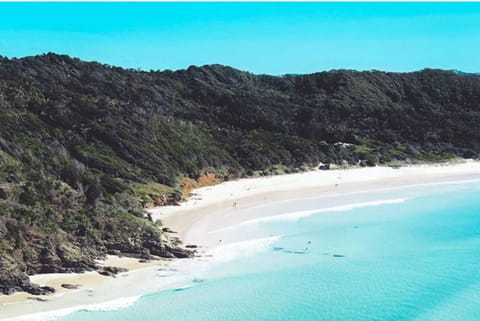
(293,216)
(189,273)
(112,305)
(55,314)
(199,267)
(232,251)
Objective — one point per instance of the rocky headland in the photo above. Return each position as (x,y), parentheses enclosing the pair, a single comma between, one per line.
(85,148)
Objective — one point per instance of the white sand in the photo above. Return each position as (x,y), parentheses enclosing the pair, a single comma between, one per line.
(93,288)
(216,207)
(207,216)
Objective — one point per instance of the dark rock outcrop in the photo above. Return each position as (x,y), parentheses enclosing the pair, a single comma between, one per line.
(111,270)
(13,282)
(70,286)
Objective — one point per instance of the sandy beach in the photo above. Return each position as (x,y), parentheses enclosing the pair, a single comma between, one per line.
(205,220)
(92,288)
(227,204)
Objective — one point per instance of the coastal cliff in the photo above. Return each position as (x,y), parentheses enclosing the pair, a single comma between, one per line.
(86,147)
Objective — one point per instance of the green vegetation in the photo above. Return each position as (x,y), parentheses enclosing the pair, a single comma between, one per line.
(154,194)
(9,168)
(84,147)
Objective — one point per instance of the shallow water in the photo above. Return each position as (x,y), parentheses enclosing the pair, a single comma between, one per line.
(413,260)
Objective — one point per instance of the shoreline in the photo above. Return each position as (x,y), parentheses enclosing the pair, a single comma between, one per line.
(224,201)
(210,210)
(87,283)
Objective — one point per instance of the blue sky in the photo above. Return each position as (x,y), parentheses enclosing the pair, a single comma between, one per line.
(272,38)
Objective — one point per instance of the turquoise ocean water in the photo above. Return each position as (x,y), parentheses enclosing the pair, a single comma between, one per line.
(415,260)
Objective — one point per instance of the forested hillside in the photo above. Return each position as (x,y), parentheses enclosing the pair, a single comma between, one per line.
(84,147)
